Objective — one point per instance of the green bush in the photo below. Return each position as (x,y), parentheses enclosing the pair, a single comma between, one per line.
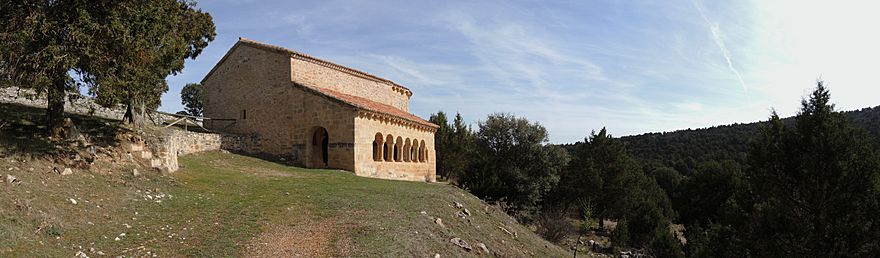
(620,235)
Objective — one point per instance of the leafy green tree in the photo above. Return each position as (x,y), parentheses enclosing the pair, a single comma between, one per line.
(723,240)
(697,241)
(592,165)
(513,163)
(701,196)
(620,235)
(121,50)
(645,206)
(668,178)
(665,244)
(192,96)
(601,171)
(816,184)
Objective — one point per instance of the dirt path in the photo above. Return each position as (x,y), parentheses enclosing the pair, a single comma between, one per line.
(312,239)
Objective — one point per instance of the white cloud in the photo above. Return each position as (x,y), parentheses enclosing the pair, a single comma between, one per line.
(800,41)
(523,69)
(299,22)
(541,77)
(577,66)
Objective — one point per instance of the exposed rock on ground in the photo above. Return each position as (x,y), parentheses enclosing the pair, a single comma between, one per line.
(483,248)
(461,243)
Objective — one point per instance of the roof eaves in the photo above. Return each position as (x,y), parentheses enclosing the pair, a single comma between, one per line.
(323,62)
(364,108)
(222,60)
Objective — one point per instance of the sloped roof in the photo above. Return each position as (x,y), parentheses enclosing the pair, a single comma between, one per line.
(369,105)
(354,101)
(321,62)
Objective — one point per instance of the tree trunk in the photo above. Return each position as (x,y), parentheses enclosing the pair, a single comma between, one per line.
(141,114)
(135,112)
(128,117)
(55,108)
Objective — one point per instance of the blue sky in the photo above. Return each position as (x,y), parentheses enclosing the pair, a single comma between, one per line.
(576,66)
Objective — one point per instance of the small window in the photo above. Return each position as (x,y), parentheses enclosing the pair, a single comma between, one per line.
(243,114)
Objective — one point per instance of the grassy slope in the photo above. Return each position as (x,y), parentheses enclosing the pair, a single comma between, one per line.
(226,205)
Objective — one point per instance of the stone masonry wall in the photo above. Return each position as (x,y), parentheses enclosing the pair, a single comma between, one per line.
(259,92)
(179,142)
(366,129)
(166,147)
(75,104)
(253,87)
(186,142)
(79,105)
(316,75)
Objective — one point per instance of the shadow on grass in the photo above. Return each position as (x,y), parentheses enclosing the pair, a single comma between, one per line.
(23,131)
(279,160)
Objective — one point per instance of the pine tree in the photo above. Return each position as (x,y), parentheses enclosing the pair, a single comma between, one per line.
(603,173)
(461,148)
(816,184)
(454,144)
(441,142)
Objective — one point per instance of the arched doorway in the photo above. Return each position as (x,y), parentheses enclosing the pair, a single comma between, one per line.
(320,147)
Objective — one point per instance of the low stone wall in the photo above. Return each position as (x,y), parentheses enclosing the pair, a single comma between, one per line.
(179,142)
(166,147)
(74,104)
(192,142)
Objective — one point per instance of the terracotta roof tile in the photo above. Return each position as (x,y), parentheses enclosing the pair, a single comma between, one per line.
(364,103)
(358,102)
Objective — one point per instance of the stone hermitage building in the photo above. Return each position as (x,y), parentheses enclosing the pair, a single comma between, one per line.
(317,113)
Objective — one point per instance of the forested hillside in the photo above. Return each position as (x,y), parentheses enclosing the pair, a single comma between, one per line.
(725,142)
(798,186)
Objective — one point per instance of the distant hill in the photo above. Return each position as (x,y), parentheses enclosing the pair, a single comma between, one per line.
(721,142)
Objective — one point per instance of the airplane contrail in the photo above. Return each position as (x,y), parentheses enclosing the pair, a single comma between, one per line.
(716,36)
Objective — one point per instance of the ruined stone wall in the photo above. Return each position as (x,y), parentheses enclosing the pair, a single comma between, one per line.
(366,129)
(317,75)
(79,104)
(74,104)
(253,87)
